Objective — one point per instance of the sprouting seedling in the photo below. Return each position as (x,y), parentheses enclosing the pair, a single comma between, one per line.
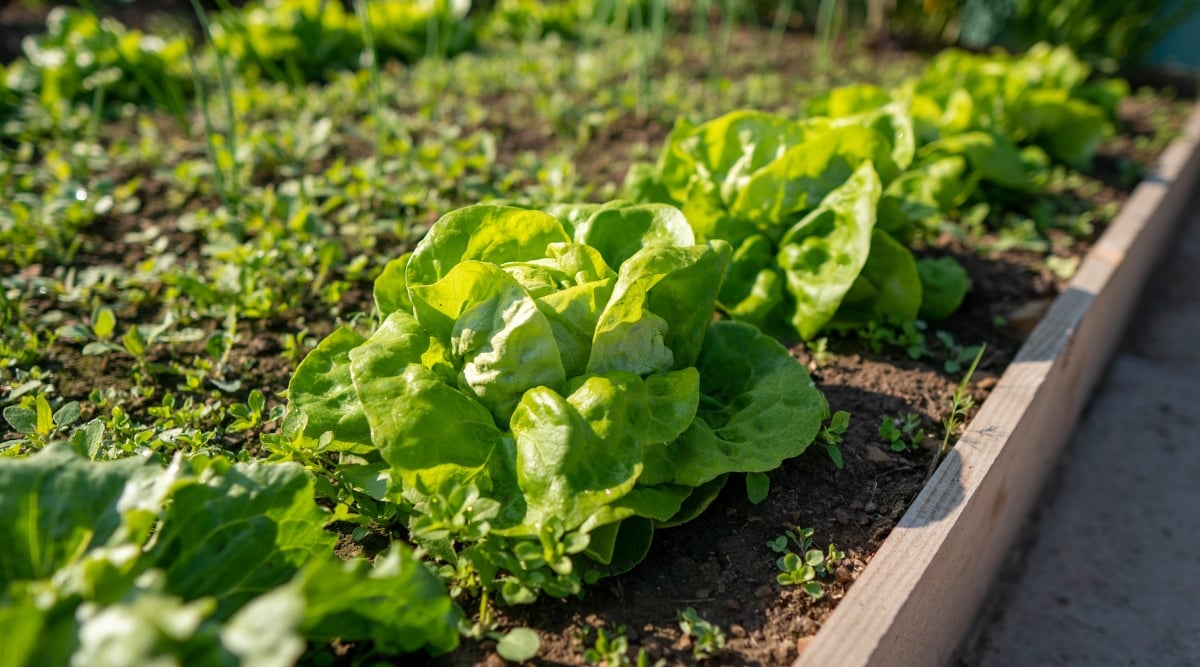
(961,403)
(819,350)
(37,422)
(708,639)
(612,649)
(956,355)
(804,571)
(831,435)
(903,432)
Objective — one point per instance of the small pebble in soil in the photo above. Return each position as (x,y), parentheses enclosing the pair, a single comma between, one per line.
(763,592)
(842,574)
(878,456)
(737,631)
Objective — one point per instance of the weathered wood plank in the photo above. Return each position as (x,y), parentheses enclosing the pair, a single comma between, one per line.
(920,592)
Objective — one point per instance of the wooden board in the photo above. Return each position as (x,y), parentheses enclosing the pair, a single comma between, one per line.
(920,592)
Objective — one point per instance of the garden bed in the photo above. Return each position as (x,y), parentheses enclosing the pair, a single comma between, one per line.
(927,579)
(929,558)
(932,542)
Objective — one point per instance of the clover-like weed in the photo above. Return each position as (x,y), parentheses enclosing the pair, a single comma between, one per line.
(707,637)
(903,432)
(804,570)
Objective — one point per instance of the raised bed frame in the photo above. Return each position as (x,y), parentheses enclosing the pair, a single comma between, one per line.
(920,593)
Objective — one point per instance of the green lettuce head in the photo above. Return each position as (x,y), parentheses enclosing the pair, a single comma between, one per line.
(565,364)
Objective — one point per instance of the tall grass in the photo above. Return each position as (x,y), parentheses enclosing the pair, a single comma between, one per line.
(360,8)
(228,186)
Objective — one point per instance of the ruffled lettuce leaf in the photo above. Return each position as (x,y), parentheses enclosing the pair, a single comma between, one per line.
(758,407)
(823,254)
(212,563)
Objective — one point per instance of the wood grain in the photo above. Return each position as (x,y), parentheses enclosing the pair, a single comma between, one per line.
(919,594)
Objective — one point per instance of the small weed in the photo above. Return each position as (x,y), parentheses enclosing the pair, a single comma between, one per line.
(803,571)
(819,351)
(956,355)
(831,435)
(903,432)
(612,649)
(37,422)
(910,337)
(707,638)
(961,404)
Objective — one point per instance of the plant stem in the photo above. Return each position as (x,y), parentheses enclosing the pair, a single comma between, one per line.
(226,93)
(209,133)
(360,8)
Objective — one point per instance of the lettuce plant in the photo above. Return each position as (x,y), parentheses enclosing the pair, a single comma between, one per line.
(546,387)
(308,40)
(81,57)
(798,201)
(195,562)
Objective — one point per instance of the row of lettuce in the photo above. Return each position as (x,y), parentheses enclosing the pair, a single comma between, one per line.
(84,58)
(541,390)
(821,211)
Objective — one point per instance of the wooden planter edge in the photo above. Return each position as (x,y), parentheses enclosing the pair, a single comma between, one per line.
(919,594)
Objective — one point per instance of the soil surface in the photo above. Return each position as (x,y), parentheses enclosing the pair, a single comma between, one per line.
(719,564)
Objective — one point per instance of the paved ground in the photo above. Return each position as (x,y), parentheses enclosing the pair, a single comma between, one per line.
(1109,570)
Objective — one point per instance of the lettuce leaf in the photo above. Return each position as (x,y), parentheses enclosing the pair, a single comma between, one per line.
(205,562)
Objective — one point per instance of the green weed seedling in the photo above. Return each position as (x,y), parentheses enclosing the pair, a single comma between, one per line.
(612,649)
(804,571)
(956,355)
(831,435)
(34,419)
(707,638)
(909,337)
(819,350)
(960,404)
(97,338)
(903,432)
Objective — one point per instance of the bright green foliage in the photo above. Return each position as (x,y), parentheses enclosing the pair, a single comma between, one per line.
(200,564)
(798,202)
(81,57)
(819,210)
(1041,97)
(565,368)
(526,19)
(304,40)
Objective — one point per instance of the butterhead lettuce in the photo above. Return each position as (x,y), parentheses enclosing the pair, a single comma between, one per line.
(564,365)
